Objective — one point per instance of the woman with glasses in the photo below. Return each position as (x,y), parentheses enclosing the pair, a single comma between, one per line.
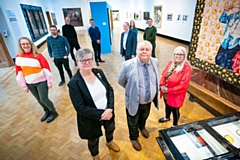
(93,99)
(34,75)
(173,84)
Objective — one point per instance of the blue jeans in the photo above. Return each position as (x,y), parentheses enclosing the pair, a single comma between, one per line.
(138,121)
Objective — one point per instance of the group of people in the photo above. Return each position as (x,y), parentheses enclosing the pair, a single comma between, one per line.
(128,42)
(91,93)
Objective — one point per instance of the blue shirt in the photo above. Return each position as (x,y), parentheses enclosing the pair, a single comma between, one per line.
(58,47)
(94,33)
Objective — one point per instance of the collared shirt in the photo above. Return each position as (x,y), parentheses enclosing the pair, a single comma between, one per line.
(125,39)
(153,81)
(58,47)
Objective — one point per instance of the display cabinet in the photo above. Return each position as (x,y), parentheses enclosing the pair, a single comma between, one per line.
(215,138)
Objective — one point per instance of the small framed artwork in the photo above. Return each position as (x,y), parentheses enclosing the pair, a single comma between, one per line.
(179,17)
(184,17)
(146,15)
(115,14)
(136,16)
(157,16)
(169,17)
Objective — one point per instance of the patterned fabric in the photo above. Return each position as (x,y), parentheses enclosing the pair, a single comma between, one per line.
(168,75)
(32,70)
(147,83)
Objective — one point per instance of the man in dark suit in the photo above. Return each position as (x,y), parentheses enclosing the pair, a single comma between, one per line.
(95,36)
(128,43)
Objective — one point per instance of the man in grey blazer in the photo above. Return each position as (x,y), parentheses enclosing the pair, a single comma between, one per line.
(139,77)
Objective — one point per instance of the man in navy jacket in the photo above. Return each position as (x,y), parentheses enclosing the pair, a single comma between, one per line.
(128,42)
(95,35)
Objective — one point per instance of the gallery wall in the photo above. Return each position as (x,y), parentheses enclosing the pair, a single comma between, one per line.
(176,29)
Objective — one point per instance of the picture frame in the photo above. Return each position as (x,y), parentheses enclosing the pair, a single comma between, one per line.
(206,49)
(169,16)
(157,11)
(115,15)
(184,17)
(146,15)
(75,16)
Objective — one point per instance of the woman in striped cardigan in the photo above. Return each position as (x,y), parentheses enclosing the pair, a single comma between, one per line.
(33,73)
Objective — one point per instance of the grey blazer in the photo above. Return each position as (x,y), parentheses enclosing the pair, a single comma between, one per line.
(128,78)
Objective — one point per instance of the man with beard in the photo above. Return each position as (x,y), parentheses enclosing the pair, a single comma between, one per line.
(58,49)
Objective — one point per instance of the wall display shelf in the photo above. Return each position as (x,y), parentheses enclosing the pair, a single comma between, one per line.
(215,138)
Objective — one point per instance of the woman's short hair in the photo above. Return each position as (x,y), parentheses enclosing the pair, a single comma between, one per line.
(81,53)
(33,47)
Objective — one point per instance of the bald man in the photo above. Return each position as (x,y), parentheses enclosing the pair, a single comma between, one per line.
(69,32)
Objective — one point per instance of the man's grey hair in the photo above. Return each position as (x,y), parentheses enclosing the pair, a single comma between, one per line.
(144,42)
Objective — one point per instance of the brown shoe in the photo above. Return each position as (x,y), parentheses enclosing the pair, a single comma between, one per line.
(144,133)
(113,146)
(96,157)
(136,145)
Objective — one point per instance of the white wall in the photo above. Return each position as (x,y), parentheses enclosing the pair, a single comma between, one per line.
(176,29)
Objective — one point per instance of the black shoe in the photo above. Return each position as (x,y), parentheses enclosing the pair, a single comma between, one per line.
(101,61)
(53,115)
(61,83)
(162,120)
(97,63)
(46,115)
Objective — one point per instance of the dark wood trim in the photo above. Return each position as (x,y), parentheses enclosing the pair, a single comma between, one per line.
(170,38)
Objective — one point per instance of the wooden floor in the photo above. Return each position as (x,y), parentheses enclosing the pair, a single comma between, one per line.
(24,137)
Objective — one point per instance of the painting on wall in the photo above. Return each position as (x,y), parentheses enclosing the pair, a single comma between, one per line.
(54,18)
(74,14)
(157,10)
(184,17)
(115,14)
(136,16)
(179,17)
(214,45)
(35,21)
(146,15)
(169,17)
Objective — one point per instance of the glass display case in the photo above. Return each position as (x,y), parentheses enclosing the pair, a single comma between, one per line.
(216,138)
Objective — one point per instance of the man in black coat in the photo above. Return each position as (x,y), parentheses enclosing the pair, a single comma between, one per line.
(69,32)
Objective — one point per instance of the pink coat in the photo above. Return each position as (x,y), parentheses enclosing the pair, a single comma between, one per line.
(177,85)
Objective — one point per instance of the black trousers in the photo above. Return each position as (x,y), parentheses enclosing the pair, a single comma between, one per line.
(73,44)
(58,63)
(138,121)
(93,144)
(127,57)
(175,111)
(153,49)
(97,51)
(40,92)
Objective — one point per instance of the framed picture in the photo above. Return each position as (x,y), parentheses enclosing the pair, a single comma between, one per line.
(74,14)
(169,17)
(184,17)
(54,18)
(157,10)
(214,45)
(35,21)
(179,17)
(136,16)
(115,14)
(146,15)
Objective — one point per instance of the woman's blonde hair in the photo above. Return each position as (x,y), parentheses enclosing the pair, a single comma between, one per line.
(33,47)
(180,66)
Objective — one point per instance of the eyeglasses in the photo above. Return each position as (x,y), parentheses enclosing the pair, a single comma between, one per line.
(84,61)
(25,44)
(177,54)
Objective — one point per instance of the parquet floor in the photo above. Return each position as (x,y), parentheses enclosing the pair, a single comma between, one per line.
(24,137)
